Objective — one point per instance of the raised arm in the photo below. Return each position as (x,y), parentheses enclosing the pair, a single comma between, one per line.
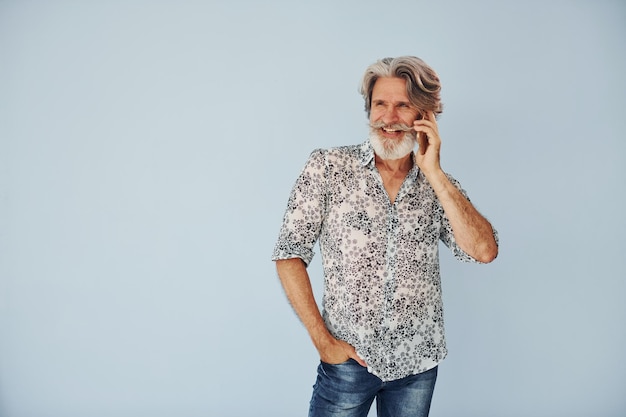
(472,232)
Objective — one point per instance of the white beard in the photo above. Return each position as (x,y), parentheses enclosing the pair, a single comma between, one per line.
(389,149)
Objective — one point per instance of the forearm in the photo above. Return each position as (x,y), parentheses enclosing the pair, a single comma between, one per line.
(472,232)
(297,285)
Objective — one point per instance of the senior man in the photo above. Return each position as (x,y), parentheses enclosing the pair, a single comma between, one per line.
(378,210)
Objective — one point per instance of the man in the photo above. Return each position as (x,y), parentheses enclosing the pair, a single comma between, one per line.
(378,210)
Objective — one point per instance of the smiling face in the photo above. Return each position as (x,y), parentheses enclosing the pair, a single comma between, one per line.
(391,119)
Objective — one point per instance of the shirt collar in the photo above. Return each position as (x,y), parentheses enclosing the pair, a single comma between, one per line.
(367,158)
(367,154)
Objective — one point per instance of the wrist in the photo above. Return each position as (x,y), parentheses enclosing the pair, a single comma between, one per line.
(439,182)
(321,337)
(434,175)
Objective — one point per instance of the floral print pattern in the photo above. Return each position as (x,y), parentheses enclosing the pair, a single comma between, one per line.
(382,288)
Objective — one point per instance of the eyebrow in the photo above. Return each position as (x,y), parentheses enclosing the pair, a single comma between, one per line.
(381,101)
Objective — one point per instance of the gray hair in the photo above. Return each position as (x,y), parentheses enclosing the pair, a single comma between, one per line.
(422,83)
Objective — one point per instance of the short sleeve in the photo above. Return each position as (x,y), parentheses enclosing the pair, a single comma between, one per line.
(305,212)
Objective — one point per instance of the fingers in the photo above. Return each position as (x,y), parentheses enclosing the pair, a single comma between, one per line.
(359,360)
(427,156)
(428,122)
(427,130)
(351,352)
(430,115)
(341,352)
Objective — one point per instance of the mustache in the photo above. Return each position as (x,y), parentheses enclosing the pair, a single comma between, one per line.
(395,126)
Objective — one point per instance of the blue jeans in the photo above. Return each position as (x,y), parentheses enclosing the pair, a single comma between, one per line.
(348,390)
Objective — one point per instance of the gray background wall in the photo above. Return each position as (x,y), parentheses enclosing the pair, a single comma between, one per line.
(147,150)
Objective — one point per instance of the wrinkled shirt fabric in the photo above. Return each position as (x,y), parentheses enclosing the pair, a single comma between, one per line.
(382,286)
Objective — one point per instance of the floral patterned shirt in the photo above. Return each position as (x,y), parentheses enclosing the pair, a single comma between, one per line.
(382,288)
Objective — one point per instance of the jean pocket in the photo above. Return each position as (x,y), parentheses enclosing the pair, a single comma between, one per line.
(343,376)
(346,362)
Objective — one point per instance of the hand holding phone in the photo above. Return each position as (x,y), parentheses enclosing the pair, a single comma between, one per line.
(428,141)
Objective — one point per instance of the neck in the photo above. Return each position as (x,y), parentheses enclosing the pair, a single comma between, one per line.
(402,165)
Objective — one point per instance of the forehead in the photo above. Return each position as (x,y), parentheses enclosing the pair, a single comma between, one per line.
(390,89)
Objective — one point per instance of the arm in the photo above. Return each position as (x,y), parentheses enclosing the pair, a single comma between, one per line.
(297,285)
(472,232)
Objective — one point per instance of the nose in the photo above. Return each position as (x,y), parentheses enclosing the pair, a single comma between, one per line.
(391,115)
